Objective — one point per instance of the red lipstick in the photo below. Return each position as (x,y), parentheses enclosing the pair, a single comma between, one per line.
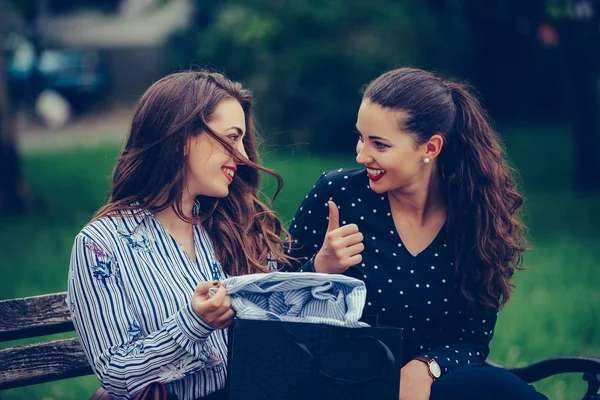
(229,177)
(375,178)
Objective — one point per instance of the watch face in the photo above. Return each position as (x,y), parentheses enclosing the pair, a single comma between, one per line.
(435,369)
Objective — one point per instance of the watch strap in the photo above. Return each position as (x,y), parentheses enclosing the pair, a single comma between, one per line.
(428,361)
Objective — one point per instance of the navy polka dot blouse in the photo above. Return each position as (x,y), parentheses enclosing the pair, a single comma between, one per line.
(418,293)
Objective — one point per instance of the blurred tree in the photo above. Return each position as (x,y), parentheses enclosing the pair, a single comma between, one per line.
(559,78)
(307,60)
(508,66)
(577,24)
(14,193)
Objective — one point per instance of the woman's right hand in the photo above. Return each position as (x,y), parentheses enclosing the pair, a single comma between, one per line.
(215,311)
(341,247)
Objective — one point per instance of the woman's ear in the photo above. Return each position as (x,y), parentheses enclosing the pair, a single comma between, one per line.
(434,146)
(186,147)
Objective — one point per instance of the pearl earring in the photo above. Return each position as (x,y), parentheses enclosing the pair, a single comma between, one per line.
(426,160)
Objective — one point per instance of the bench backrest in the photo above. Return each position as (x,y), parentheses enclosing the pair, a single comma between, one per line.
(40,362)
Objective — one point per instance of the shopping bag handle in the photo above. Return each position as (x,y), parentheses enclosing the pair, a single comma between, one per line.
(382,370)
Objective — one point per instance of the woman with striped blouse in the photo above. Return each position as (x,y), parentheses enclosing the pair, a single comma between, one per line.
(183,213)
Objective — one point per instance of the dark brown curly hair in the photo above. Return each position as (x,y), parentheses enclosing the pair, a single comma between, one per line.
(151,170)
(487,235)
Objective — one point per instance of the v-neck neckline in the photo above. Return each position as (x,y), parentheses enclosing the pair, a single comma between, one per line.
(397,236)
(180,246)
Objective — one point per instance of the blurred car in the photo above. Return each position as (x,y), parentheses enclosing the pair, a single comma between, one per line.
(82,76)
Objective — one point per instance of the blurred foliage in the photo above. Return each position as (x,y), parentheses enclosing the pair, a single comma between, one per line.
(30,8)
(15,195)
(306,61)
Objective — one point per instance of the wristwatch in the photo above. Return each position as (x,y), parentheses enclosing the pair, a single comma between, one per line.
(434,368)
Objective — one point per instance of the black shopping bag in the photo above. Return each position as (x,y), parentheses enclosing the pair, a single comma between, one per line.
(304,361)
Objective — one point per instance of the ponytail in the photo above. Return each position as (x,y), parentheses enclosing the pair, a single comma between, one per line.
(482,203)
(486,234)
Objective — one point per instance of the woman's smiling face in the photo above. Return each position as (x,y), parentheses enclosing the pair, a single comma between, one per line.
(391,155)
(211,168)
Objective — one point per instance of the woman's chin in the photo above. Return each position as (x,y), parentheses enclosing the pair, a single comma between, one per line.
(223,193)
(217,193)
(377,187)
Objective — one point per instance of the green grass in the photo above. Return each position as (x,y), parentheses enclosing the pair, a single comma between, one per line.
(554,311)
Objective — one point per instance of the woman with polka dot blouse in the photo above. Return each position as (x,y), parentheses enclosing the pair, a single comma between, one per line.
(430,223)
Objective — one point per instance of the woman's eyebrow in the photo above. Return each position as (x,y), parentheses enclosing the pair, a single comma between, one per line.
(371,137)
(239,131)
(377,138)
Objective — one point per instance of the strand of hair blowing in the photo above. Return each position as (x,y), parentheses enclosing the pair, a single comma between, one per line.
(150,173)
(483,202)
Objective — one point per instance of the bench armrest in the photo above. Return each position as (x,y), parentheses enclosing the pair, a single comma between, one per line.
(589,366)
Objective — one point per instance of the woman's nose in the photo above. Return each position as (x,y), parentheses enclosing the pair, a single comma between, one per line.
(361,156)
(242,150)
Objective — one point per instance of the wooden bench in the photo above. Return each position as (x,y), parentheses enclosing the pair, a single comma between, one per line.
(60,359)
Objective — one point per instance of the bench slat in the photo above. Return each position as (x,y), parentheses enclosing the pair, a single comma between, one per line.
(43,362)
(34,316)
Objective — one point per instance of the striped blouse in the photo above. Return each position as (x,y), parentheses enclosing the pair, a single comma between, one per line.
(313,297)
(129,291)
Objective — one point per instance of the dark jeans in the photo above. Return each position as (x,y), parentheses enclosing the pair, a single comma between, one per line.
(487,383)
(476,383)
(218,395)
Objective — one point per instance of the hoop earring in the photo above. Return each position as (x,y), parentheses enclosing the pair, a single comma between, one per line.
(426,160)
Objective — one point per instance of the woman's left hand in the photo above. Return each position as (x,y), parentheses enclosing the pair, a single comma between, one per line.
(415,382)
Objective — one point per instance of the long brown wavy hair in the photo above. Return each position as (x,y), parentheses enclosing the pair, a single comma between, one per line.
(150,172)
(483,222)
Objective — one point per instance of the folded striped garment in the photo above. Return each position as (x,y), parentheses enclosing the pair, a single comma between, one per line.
(298,297)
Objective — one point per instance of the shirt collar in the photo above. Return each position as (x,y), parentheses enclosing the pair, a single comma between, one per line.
(136,216)
(141,213)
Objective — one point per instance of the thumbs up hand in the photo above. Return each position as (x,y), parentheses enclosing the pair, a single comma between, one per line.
(341,247)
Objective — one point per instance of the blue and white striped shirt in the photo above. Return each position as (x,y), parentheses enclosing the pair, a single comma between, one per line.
(129,291)
(298,297)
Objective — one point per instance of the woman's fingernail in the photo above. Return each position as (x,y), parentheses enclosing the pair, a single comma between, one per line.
(216,283)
